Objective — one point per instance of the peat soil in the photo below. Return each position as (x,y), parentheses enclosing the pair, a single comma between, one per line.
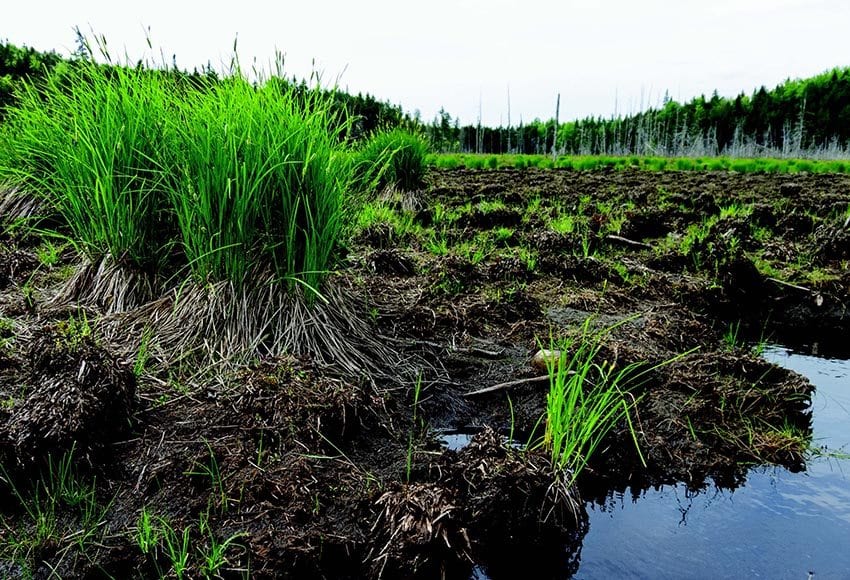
(137,466)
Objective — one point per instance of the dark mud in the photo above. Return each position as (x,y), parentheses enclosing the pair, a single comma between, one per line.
(70,394)
(307,472)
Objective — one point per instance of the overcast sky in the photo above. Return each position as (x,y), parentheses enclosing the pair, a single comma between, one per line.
(457,53)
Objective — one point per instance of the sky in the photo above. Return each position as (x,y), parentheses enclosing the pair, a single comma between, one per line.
(471,56)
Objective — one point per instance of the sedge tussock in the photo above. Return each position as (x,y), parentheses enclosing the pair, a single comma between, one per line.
(247,188)
(109,285)
(225,322)
(18,207)
(219,177)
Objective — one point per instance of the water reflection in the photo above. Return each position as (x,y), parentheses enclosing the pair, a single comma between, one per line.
(763,522)
(777,525)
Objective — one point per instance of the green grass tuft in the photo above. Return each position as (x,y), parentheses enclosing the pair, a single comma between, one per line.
(242,178)
(395,158)
(257,178)
(88,142)
(586,399)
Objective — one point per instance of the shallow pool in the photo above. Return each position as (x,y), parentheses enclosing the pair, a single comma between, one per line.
(777,525)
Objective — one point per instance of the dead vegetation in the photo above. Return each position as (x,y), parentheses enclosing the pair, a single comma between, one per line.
(314,455)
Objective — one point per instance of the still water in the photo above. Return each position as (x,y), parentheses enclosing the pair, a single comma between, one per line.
(777,525)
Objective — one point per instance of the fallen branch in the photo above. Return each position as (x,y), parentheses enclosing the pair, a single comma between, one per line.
(507,385)
(789,285)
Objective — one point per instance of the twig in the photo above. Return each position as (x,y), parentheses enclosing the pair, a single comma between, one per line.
(627,241)
(481,352)
(507,385)
(789,285)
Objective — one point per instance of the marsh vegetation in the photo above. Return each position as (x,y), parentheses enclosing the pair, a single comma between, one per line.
(231,333)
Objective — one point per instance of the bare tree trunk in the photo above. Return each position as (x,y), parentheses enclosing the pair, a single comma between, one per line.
(479,138)
(555,137)
(800,129)
(509,119)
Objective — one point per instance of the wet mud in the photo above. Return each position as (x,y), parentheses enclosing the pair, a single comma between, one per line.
(305,471)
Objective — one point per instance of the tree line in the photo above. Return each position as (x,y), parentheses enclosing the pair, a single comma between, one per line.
(796,118)
(18,63)
(802,117)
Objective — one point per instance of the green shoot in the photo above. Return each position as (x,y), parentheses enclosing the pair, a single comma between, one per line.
(513,421)
(143,354)
(212,471)
(176,547)
(213,558)
(147,534)
(730,337)
(587,398)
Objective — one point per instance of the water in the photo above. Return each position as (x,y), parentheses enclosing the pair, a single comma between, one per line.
(778,525)
(456,440)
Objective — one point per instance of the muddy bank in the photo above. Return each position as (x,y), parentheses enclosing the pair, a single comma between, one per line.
(286,468)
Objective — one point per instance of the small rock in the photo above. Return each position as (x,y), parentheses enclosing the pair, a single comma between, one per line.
(544,358)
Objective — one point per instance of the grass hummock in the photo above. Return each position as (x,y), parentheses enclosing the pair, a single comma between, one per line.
(258,180)
(85,143)
(393,159)
(194,190)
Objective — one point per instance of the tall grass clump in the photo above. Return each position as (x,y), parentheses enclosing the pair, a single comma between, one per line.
(396,158)
(258,178)
(260,181)
(228,198)
(86,142)
(243,177)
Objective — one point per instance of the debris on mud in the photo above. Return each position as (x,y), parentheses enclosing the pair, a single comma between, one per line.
(69,393)
(295,468)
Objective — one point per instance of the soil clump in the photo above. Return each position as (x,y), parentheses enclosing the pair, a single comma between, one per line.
(295,469)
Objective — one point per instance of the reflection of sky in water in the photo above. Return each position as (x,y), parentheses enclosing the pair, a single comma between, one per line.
(456,441)
(831,400)
(779,525)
